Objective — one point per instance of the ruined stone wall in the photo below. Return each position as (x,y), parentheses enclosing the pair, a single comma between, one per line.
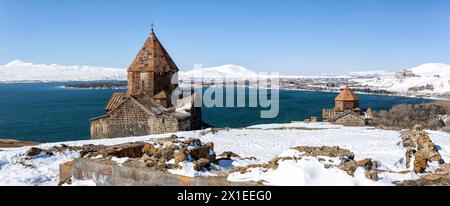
(131,120)
(328,114)
(351,120)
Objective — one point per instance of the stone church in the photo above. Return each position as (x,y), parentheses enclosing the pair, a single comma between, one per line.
(346,110)
(147,107)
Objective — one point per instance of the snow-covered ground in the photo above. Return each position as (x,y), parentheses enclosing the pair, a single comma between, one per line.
(264,142)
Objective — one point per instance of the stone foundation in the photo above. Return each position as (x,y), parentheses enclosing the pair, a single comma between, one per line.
(105,173)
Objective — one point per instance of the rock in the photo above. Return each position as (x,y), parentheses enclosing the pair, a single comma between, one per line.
(161,164)
(202,163)
(408,155)
(203,151)
(90,150)
(417,128)
(419,144)
(443,169)
(244,169)
(273,164)
(349,167)
(328,166)
(65,172)
(132,150)
(334,151)
(180,156)
(372,175)
(193,142)
(67,180)
(149,149)
(431,177)
(167,152)
(427,179)
(407,139)
(420,162)
(210,145)
(23,162)
(375,164)
(148,161)
(425,144)
(366,163)
(228,154)
(34,151)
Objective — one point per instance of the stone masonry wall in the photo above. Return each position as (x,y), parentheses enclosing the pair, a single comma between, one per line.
(131,120)
(141,83)
(351,120)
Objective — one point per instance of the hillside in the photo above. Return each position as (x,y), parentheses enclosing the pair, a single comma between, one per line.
(431,79)
(256,145)
(227,71)
(19,71)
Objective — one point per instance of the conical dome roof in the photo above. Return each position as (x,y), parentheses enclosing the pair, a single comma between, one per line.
(153,57)
(347,95)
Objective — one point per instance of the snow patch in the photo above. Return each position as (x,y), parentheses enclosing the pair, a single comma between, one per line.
(187,169)
(303,173)
(121,160)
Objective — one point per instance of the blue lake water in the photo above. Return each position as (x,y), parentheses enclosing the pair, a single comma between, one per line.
(47,112)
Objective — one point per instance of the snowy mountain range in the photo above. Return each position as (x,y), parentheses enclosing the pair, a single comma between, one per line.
(228,71)
(19,71)
(426,79)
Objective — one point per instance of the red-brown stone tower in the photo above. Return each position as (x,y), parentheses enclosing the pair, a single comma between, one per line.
(346,100)
(151,72)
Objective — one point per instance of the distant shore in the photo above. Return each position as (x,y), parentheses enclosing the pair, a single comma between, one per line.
(8,143)
(123,85)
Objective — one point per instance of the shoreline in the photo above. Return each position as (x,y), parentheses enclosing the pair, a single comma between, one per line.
(181,85)
(279,88)
(12,143)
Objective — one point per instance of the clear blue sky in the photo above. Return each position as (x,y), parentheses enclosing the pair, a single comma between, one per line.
(290,37)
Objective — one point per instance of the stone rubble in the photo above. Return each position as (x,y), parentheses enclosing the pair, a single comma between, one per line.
(166,153)
(419,149)
(347,163)
(334,151)
(440,176)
